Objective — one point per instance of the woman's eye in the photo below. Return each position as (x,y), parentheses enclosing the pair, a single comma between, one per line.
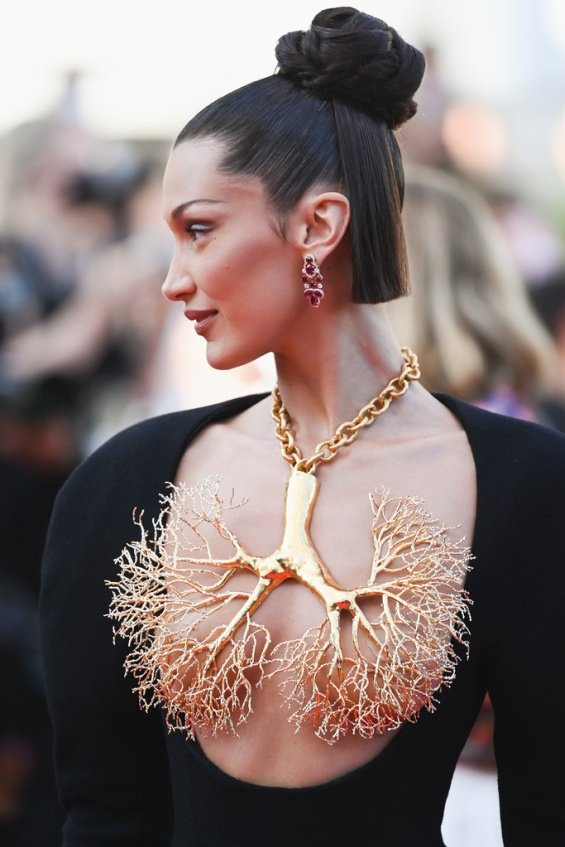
(197,230)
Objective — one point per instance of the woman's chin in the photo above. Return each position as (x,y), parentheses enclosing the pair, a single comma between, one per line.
(225,360)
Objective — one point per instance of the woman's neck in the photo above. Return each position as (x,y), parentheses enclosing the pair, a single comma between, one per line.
(337,367)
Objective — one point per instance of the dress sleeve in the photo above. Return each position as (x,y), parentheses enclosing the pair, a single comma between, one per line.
(110,756)
(527,672)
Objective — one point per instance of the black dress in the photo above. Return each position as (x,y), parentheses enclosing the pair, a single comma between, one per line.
(126,782)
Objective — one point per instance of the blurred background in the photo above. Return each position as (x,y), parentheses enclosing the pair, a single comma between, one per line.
(92,95)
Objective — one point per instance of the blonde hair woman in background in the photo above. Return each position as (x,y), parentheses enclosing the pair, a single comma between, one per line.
(468,316)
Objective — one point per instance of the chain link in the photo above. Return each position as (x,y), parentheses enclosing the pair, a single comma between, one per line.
(347,431)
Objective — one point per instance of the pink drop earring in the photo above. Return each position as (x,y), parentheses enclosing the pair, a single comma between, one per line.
(312,279)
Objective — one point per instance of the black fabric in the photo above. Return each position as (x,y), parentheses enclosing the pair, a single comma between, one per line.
(126,782)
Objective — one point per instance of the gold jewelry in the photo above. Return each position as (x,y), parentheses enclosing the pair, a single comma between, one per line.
(197,650)
(349,430)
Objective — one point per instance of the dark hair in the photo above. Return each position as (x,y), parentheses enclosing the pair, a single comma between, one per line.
(327,115)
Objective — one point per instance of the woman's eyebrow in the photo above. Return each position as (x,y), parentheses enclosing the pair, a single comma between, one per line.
(183,206)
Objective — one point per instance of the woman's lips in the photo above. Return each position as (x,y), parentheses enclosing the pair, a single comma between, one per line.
(203,318)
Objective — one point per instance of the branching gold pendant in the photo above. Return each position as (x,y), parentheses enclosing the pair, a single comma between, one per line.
(196,649)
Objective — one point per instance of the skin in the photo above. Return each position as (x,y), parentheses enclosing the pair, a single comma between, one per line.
(230,256)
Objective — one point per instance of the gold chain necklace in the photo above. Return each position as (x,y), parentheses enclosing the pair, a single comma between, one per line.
(197,649)
(348,431)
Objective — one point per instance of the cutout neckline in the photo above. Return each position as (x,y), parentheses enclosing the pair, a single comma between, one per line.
(228,409)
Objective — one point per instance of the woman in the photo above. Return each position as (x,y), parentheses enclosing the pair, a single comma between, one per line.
(284,199)
(469,312)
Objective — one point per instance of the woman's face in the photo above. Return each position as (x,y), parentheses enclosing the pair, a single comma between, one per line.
(229,262)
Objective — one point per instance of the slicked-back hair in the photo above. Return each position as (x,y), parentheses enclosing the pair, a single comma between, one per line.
(294,140)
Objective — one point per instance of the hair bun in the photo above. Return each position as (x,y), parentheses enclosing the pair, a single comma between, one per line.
(355,58)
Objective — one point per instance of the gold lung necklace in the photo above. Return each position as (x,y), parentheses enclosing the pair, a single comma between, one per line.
(196,650)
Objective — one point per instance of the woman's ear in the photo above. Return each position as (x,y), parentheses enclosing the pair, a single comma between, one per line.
(318,223)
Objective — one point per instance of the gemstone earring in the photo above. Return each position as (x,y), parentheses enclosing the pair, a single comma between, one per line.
(312,279)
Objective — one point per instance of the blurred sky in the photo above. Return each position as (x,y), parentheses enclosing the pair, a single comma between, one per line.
(146,67)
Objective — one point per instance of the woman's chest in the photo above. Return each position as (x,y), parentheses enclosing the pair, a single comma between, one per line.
(341,587)
(350,511)
(337,595)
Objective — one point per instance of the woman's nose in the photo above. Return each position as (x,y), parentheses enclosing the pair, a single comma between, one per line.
(178,284)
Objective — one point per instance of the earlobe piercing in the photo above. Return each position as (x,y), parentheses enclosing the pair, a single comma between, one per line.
(313,280)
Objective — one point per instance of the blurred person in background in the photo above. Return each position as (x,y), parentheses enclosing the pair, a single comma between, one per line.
(284,198)
(82,255)
(469,311)
(42,160)
(470,316)
(39,447)
(105,332)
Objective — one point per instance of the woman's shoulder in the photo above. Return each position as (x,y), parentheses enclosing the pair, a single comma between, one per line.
(507,447)
(178,426)
(150,448)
